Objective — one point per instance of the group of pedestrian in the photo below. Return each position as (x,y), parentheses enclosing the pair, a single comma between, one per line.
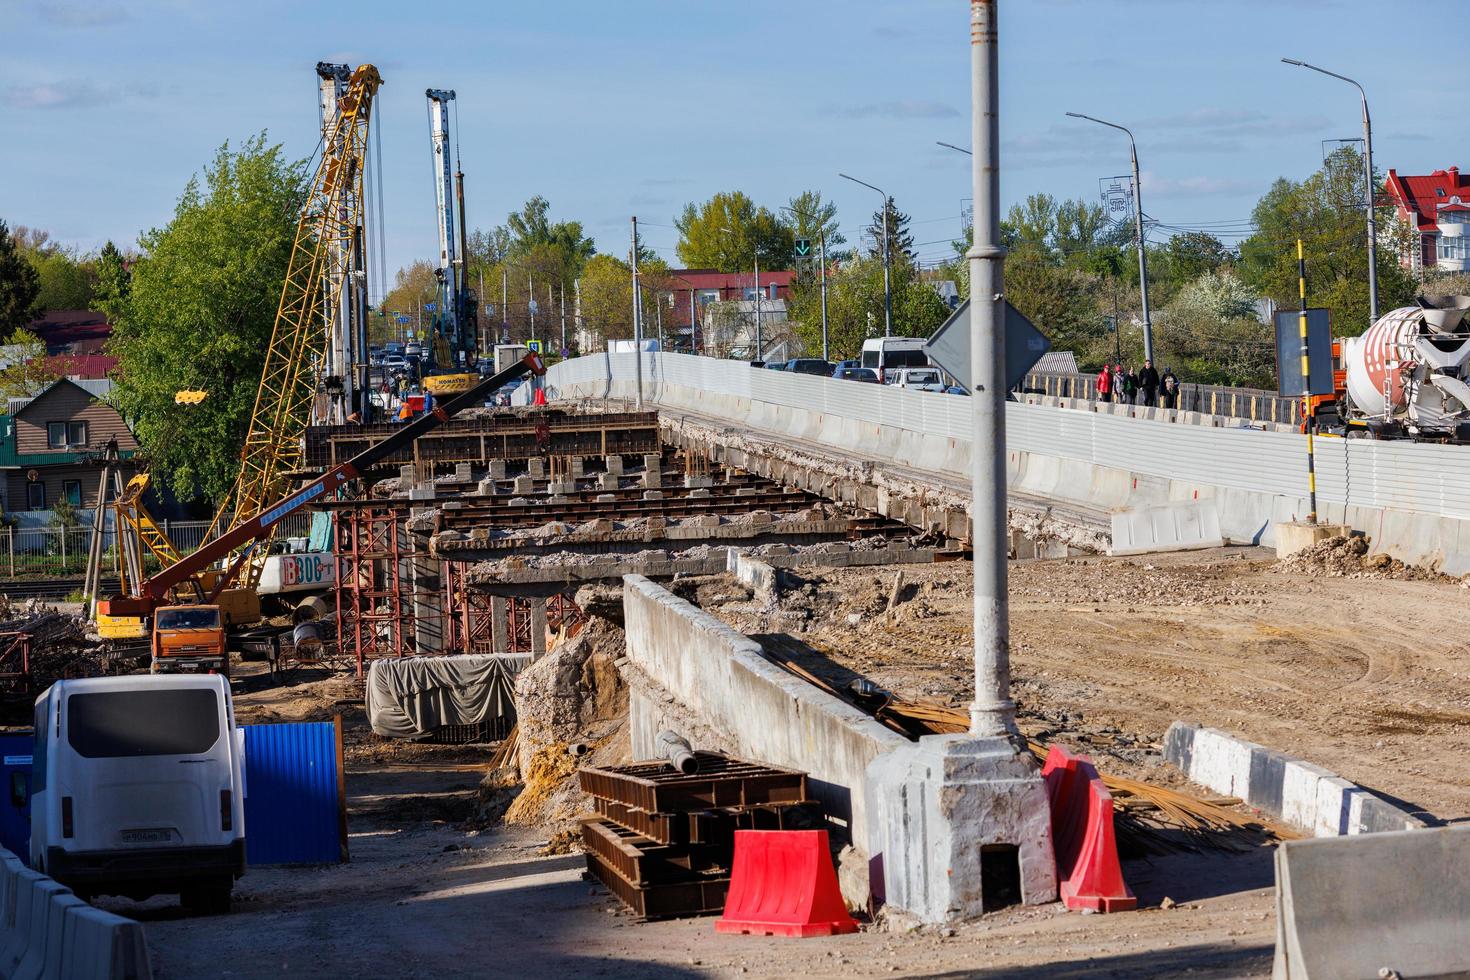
(1120,383)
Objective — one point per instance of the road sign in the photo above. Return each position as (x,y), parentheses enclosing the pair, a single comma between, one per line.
(803,246)
(950,346)
(534,345)
(1289,353)
(402,319)
(430,307)
(533,307)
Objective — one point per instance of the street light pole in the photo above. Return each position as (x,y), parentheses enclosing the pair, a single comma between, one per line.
(822,238)
(1368,186)
(887,289)
(637,319)
(993,712)
(1148,328)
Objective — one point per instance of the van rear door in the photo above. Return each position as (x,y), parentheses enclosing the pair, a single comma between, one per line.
(151,765)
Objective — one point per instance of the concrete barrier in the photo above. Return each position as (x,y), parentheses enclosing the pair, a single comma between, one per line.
(47,932)
(1183,526)
(692,673)
(1304,796)
(1357,907)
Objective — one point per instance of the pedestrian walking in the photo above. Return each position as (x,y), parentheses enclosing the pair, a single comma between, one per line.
(1118,376)
(1148,380)
(1105,383)
(1130,387)
(1169,388)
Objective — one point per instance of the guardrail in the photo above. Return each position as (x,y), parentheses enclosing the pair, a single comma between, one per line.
(1255,404)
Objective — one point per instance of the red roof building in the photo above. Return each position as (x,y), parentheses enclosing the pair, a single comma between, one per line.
(696,288)
(1436,207)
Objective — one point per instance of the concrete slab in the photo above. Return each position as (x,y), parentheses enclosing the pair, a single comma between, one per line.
(1179,526)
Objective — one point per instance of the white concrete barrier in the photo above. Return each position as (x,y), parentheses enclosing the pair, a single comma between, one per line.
(1355,907)
(1182,526)
(47,933)
(1302,795)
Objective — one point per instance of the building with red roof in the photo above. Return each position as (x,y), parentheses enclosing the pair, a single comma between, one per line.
(1436,208)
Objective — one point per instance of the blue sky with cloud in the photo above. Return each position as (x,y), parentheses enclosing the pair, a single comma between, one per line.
(611,109)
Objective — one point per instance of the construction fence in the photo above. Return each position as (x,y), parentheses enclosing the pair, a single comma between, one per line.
(1255,404)
(61,552)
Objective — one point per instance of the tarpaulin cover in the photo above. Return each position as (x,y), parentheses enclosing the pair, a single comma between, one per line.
(412,696)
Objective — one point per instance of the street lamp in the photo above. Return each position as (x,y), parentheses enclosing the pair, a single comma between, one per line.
(822,238)
(887,289)
(1148,329)
(953,147)
(1368,186)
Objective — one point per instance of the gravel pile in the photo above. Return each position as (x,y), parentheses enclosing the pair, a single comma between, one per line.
(1347,557)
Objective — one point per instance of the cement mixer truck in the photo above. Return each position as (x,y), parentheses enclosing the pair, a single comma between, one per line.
(1408,375)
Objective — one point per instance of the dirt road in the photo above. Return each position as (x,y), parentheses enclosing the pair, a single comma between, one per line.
(1369,677)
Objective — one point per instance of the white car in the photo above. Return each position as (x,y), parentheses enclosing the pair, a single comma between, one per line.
(922,379)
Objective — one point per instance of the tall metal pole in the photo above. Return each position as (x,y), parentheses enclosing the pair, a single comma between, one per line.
(887,287)
(822,235)
(531,303)
(563,350)
(693,323)
(993,712)
(504,305)
(759,345)
(1369,186)
(637,319)
(1307,414)
(1148,327)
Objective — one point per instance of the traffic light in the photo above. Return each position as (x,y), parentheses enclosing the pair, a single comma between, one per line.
(189,397)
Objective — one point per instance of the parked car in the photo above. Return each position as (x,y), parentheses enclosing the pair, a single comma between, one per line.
(137,788)
(413,350)
(856,374)
(393,362)
(776,365)
(888,354)
(810,365)
(955,390)
(921,378)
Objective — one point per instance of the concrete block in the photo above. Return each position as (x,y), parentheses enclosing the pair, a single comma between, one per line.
(561,487)
(606,498)
(614,465)
(406,477)
(497,469)
(579,467)
(691,481)
(462,472)
(1294,536)
(698,493)
(486,488)
(936,805)
(653,495)
(608,481)
(653,479)
(422,491)
(558,498)
(745,491)
(536,466)
(523,484)
(1356,906)
(653,461)
(1181,526)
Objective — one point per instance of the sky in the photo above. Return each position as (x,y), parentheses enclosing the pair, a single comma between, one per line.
(639,106)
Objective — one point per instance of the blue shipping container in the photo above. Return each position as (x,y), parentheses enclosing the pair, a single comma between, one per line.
(15,777)
(294,806)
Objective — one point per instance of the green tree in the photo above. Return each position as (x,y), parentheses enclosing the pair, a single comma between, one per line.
(200,313)
(811,217)
(1209,333)
(1183,259)
(19,283)
(65,278)
(114,280)
(607,299)
(855,307)
(727,231)
(1319,211)
(25,372)
(413,286)
(900,239)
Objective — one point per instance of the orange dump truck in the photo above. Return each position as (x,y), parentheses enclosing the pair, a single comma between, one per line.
(190,639)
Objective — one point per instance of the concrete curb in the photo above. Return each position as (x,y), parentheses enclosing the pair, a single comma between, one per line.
(1294,791)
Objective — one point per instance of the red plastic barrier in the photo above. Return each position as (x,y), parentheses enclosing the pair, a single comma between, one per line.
(1082,835)
(782,884)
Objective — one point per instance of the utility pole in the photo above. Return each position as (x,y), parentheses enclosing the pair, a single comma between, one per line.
(1148,330)
(563,288)
(504,305)
(637,319)
(1369,187)
(759,345)
(1308,416)
(993,712)
(531,303)
(887,288)
(693,324)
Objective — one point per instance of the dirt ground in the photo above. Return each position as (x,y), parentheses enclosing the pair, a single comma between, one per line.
(1367,676)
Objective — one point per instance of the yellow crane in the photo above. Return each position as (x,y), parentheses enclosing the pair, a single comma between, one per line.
(329,228)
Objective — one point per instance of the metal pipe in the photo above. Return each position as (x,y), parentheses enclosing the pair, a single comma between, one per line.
(1148,328)
(637,316)
(677,750)
(1369,186)
(466,341)
(1307,414)
(993,712)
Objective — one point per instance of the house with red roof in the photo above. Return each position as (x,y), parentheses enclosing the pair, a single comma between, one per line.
(1436,207)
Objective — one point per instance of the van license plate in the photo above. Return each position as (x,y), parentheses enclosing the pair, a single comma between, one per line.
(146,836)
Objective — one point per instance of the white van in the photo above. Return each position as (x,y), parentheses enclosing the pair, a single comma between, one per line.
(885,354)
(136,788)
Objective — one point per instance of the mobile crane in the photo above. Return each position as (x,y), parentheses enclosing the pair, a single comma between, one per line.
(193,635)
(455,343)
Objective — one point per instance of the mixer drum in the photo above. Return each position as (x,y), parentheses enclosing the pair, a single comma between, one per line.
(1389,341)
